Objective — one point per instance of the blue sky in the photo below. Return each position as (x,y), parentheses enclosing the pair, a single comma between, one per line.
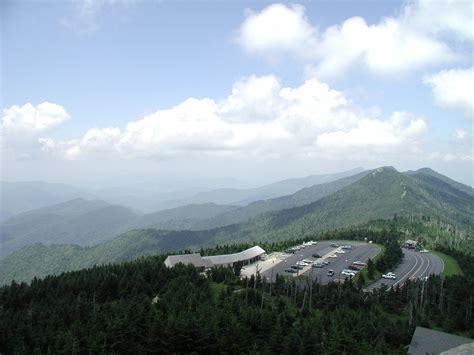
(102,64)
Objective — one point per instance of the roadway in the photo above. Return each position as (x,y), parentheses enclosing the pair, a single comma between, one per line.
(359,252)
(415,265)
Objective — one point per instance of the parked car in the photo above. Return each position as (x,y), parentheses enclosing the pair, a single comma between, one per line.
(340,251)
(355,267)
(347,273)
(290,251)
(325,262)
(291,271)
(360,263)
(334,245)
(307,261)
(301,263)
(296,267)
(316,256)
(333,256)
(318,265)
(330,273)
(347,247)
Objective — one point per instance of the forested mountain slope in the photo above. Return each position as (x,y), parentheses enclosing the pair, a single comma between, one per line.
(209,216)
(184,217)
(243,197)
(77,221)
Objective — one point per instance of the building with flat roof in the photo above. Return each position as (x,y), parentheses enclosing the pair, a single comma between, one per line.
(245,257)
(428,341)
(187,259)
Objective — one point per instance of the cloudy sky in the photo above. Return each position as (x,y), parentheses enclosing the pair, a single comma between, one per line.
(128,90)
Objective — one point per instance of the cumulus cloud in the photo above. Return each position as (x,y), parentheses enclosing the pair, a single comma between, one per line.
(453,89)
(277,28)
(29,119)
(259,118)
(22,125)
(393,45)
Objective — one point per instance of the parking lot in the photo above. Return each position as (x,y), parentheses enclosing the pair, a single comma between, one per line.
(359,252)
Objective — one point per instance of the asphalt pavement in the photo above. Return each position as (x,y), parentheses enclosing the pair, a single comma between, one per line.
(415,265)
(359,252)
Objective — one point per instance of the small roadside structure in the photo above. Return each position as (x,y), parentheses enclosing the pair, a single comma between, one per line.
(428,341)
(245,257)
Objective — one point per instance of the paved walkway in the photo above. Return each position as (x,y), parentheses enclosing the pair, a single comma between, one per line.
(268,262)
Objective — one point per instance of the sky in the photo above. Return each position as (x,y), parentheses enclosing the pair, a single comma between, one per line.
(100,92)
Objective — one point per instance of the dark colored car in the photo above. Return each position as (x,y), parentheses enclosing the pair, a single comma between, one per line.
(334,245)
(290,270)
(296,267)
(330,273)
(316,256)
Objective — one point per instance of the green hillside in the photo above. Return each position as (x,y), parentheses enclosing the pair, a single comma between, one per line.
(185,217)
(299,198)
(74,222)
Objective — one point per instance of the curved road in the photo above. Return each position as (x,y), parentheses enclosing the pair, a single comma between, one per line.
(415,265)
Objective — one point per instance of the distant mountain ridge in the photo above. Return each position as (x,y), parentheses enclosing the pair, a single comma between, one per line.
(77,221)
(66,222)
(380,194)
(19,197)
(243,197)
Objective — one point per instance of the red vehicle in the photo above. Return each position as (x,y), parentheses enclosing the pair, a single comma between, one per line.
(355,267)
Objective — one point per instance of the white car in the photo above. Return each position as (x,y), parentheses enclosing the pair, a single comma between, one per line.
(360,263)
(333,256)
(424,251)
(347,273)
(389,275)
(340,251)
(300,263)
(307,261)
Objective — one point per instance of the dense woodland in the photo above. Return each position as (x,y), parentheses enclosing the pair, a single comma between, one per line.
(141,306)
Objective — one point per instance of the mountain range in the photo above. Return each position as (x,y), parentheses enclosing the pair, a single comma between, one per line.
(376,194)
(18,197)
(87,223)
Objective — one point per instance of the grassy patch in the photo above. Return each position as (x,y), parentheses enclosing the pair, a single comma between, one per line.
(451,266)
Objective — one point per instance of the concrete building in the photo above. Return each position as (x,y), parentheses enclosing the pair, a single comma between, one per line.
(245,257)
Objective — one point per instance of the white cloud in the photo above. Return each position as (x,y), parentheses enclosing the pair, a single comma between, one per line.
(460,135)
(401,128)
(260,118)
(22,125)
(454,89)
(277,28)
(29,119)
(449,17)
(86,13)
(393,45)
